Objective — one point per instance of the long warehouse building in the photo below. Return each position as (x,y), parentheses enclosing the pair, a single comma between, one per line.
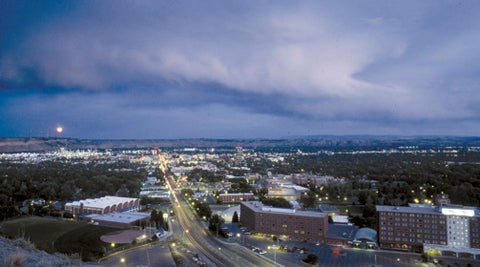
(103,205)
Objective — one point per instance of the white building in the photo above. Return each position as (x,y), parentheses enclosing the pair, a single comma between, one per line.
(103,205)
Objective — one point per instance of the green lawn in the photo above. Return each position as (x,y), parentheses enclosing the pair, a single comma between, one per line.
(57,235)
(85,241)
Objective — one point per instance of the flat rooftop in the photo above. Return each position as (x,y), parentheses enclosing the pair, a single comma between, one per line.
(102,202)
(237,194)
(401,209)
(341,231)
(428,209)
(119,217)
(257,206)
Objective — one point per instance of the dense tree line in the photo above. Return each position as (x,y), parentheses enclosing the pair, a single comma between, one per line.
(203,209)
(204,176)
(395,174)
(276,202)
(66,181)
(239,185)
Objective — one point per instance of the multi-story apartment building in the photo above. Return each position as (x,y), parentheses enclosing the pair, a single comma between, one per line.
(296,224)
(408,228)
(451,230)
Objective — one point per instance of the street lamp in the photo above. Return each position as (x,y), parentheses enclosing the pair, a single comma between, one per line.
(186,231)
(122,260)
(165,218)
(274,248)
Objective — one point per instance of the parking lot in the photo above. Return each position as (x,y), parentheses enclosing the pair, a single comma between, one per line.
(290,253)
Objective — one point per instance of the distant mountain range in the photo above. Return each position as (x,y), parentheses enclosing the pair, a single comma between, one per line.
(305,143)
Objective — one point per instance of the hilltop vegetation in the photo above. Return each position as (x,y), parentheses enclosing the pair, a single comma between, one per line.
(403,176)
(64,181)
(59,236)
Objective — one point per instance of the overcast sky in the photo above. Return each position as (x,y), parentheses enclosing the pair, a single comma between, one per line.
(239,69)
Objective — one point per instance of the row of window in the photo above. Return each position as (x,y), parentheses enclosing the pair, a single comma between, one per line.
(417,235)
(412,228)
(413,240)
(397,219)
(418,215)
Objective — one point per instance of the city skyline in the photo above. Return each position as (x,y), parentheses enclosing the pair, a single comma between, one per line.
(250,69)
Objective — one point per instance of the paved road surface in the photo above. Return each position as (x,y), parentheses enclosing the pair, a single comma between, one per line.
(220,253)
(150,255)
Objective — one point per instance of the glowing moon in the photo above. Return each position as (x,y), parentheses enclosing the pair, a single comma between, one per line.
(59,129)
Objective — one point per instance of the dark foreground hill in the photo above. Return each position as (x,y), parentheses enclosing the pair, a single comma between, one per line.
(22,253)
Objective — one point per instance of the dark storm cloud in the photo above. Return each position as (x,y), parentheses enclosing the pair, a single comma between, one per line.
(397,67)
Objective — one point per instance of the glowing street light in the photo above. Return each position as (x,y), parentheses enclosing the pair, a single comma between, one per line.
(241,237)
(185,232)
(59,129)
(112,245)
(274,248)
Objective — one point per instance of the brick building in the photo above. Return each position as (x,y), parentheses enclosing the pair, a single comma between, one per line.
(299,225)
(449,230)
(235,197)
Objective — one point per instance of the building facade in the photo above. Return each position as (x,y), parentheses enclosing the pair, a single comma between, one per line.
(103,205)
(449,230)
(295,224)
(235,197)
(119,219)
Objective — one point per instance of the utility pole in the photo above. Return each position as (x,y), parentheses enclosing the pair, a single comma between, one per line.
(275,255)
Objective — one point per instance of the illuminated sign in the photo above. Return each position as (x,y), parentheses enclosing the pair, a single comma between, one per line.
(458,212)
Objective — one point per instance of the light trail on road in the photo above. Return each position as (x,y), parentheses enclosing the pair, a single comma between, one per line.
(219,253)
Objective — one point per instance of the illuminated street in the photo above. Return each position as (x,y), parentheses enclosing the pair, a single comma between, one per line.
(220,253)
(149,255)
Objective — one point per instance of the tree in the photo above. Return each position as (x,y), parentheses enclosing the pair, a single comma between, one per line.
(153,215)
(235,217)
(308,200)
(157,218)
(311,259)
(362,197)
(203,209)
(277,202)
(215,223)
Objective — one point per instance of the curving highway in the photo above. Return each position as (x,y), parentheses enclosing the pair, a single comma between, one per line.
(218,252)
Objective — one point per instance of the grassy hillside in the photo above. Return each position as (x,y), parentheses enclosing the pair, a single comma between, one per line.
(57,235)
